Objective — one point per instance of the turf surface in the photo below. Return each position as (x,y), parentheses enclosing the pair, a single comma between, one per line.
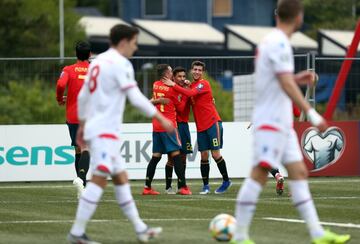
(43,212)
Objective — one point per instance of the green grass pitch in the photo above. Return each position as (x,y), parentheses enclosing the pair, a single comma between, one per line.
(43,212)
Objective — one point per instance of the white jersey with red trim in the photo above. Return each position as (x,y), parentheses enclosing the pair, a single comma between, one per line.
(273,107)
(101,101)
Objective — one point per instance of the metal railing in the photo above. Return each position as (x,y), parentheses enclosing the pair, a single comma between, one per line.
(221,69)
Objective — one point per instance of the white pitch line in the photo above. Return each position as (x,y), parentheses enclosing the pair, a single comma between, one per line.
(95,221)
(347,225)
(183,199)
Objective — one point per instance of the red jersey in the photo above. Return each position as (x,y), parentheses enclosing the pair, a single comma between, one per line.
(183,116)
(205,113)
(72,77)
(168,110)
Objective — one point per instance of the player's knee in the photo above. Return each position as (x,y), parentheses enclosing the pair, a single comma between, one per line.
(99,180)
(204,155)
(120,178)
(260,174)
(216,154)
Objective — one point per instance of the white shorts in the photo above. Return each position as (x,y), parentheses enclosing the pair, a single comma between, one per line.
(276,147)
(105,158)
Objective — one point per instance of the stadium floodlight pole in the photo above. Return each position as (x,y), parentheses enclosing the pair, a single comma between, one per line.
(61,30)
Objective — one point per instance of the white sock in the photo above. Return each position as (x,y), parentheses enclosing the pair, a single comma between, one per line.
(245,207)
(127,204)
(86,208)
(302,200)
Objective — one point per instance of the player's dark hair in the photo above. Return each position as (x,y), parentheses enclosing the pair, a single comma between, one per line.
(288,10)
(82,49)
(120,32)
(160,69)
(178,69)
(198,63)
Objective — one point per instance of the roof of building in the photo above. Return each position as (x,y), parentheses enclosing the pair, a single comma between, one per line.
(180,31)
(251,36)
(335,42)
(99,26)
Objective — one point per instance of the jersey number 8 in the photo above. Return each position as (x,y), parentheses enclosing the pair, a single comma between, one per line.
(94,72)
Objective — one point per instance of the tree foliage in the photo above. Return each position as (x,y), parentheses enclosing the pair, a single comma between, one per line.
(329,14)
(29,103)
(31,28)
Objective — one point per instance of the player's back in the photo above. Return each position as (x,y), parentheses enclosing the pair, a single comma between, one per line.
(272,105)
(205,113)
(160,90)
(110,74)
(76,76)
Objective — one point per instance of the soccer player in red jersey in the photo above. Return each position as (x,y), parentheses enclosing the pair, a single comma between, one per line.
(182,119)
(164,142)
(208,124)
(72,77)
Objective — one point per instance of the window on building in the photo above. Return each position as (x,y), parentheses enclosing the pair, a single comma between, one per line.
(222,8)
(154,8)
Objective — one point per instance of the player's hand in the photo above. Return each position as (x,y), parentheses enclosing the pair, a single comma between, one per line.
(167,125)
(322,126)
(62,101)
(168,82)
(80,137)
(317,120)
(307,77)
(164,100)
(187,82)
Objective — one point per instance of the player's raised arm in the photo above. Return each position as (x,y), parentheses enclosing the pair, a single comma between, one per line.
(293,91)
(306,77)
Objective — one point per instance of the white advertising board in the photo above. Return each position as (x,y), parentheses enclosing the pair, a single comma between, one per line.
(42,152)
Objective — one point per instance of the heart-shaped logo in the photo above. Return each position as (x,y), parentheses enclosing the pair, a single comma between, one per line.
(323,149)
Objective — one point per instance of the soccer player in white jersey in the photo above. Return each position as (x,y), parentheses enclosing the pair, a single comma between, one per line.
(275,140)
(101,103)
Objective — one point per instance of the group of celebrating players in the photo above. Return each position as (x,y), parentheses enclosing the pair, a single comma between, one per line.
(95,107)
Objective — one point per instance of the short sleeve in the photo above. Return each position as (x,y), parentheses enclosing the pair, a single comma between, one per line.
(281,57)
(125,76)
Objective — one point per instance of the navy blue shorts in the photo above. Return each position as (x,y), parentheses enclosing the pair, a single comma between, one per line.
(212,138)
(72,131)
(164,142)
(185,137)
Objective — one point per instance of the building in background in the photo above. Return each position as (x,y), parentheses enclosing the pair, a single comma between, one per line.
(216,13)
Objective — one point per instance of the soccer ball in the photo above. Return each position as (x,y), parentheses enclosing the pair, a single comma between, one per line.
(222,227)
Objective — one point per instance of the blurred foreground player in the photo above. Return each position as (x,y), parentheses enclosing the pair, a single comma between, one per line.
(72,77)
(275,140)
(101,102)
